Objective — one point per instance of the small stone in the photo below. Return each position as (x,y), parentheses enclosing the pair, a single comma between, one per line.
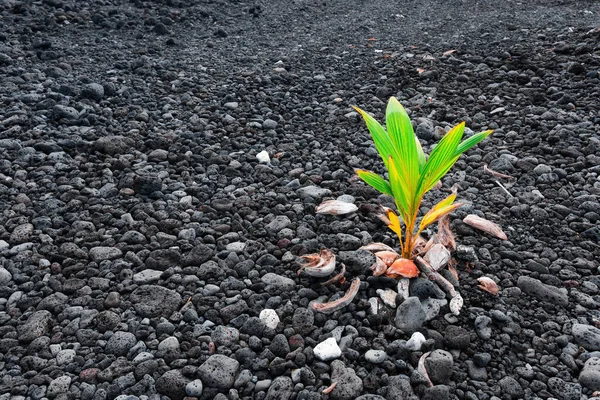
(280,222)
(538,289)
(269,317)
(388,296)
(5,277)
(349,385)
(269,124)
(173,384)
(511,387)
(58,386)
(561,389)
(92,91)
(21,234)
(147,276)
(586,336)
(375,356)
(410,315)
(439,366)
(194,388)
(457,337)
(590,374)
(314,192)
(169,344)
(281,388)
(327,350)
(65,357)
(415,342)
(482,327)
(37,325)
(102,253)
(219,372)
(120,343)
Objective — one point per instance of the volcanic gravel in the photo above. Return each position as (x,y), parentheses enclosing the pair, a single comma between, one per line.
(146,253)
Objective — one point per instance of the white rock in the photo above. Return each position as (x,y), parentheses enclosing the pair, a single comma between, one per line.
(4,245)
(327,350)
(147,276)
(269,317)
(374,302)
(415,342)
(388,296)
(403,286)
(5,276)
(263,157)
(375,356)
(169,344)
(65,356)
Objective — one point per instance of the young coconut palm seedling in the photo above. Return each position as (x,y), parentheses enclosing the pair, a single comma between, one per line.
(411,174)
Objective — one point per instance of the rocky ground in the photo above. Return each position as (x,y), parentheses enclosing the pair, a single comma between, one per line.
(146,253)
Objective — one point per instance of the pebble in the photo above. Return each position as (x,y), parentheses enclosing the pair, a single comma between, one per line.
(38,324)
(511,387)
(313,192)
(327,350)
(120,343)
(58,386)
(194,388)
(5,277)
(410,315)
(590,374)
(439,366)
(482,327)
(586,336)
(375,356)
(538,289)
(269,317)
(349,384)
(173,384)
(147,276)
(102,253)
(219,371)
(281,388)
(415,342)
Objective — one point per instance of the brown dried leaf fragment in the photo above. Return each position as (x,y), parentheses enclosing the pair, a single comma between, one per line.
(485,225)
(494,173)
(437,256)
(448,52)
(376,247)
(337,277)
(445,234)
(488,285)
(332,306)
(388,257)
(318,264)
(379,267)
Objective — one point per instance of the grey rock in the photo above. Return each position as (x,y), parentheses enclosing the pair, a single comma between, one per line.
(93,91)
(219,372)
(437,392)
(482,327)
(314,192)
(280,346)
(349,385)
(511,387)
(399,388)
(200,254)
(280,222)
(432,307)
(303,320)
(410,315)
(541,291)
(425,289)
(113,144)
(590,374)
(158,155)
(370,397)
(120,343)
(225,335)
(38,324)
(562,390)
(281,388)
(22,233)
(586,336)
(58,386)
(457,337)
(153,301)
(147,183)
(439,365)
(5,277)
(169,344)
(147,276)
(194,388)
(173,384)
(102,253)
(60,111)
(278,282)
(269,124)
(346,242)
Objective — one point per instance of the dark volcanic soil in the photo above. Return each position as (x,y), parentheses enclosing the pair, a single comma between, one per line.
(141,240)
